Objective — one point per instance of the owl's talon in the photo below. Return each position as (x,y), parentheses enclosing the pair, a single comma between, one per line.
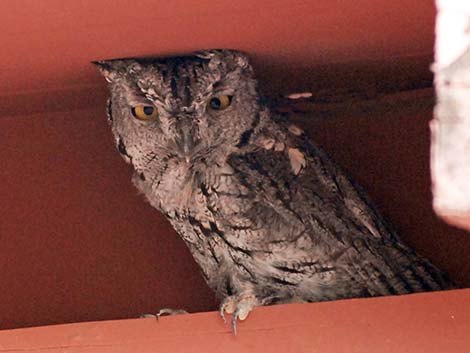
(239,306)
(234,323)
(164,312)
(170,312)
(228,306)
(241,313)
(148,316)
(222,313)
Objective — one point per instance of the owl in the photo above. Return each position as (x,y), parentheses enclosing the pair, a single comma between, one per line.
(267,216)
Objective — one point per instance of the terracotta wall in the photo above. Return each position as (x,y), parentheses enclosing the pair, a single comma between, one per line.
(47,45)
(76,241)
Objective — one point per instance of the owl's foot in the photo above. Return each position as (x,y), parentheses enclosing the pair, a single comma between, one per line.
(239,306)
(165,312)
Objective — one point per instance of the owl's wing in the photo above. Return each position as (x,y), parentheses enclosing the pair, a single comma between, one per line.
(303,187)
(318,222)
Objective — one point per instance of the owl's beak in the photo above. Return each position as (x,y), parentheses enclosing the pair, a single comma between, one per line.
(186,142)
(187,155)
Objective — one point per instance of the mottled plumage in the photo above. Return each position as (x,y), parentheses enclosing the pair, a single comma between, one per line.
(267,216)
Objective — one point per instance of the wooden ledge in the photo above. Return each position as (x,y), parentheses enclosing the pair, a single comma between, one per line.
(428,322)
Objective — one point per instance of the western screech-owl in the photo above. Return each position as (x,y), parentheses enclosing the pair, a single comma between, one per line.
(266,215)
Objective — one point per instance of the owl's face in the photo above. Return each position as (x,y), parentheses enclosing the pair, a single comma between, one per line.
(185,109)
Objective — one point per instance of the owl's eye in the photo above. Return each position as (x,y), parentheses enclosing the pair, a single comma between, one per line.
(220,102)
(144,112)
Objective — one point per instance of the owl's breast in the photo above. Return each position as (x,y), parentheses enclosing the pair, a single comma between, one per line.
(170,189)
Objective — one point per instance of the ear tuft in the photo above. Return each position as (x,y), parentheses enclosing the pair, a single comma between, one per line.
(117,68)
(106,68)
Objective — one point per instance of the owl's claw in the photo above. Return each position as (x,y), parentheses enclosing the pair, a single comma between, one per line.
(222,313)
(170,312)
(227,306)
(239,306)
(165,312)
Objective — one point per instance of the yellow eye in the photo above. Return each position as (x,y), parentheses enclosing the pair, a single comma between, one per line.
(144,112)
(220,102)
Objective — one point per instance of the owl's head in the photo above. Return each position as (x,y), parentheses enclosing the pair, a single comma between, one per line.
(187,108)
